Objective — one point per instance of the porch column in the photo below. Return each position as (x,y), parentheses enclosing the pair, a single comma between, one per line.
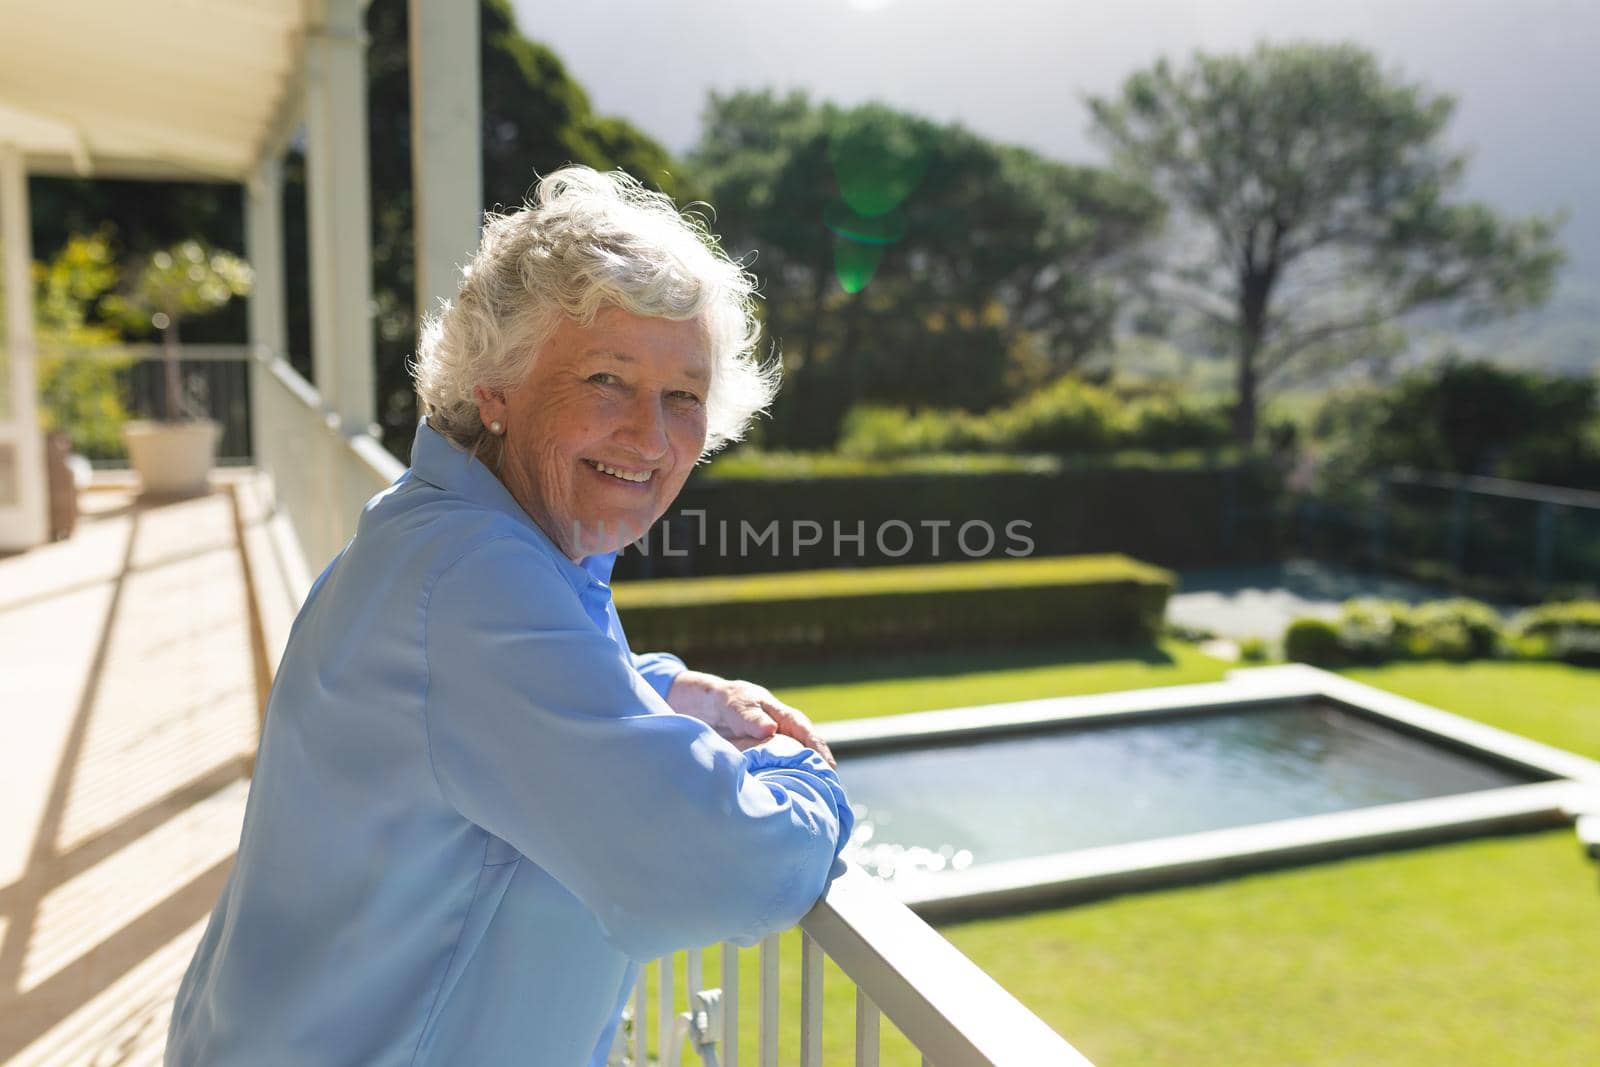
(269,327)
(24,521)
(446,145)
(339,216)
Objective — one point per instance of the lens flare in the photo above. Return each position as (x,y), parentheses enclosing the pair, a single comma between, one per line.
(854,263)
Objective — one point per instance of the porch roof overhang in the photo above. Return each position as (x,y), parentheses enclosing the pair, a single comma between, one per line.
(160,89)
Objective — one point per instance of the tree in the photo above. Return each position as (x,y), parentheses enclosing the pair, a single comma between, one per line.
(907,262)
(1466,417)
(80,365)
(187,280)
(1320,204)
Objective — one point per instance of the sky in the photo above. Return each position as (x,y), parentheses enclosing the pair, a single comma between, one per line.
(1526,73)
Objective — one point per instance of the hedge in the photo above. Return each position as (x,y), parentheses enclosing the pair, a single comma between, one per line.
(1371,631)
(928,607)
(1193,517)
(1568,630)
(1068,415)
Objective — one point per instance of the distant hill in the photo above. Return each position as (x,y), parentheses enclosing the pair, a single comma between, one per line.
(1562,337)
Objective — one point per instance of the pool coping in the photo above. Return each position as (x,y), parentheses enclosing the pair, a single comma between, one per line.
(1573,789)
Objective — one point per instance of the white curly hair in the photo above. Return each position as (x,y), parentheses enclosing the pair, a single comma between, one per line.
(586,242)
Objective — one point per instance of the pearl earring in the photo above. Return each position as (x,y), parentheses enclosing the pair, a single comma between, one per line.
(497,427)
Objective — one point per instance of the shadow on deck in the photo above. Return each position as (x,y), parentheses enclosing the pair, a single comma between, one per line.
(131,690)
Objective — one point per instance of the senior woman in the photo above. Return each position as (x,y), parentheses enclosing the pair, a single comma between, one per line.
(474,809)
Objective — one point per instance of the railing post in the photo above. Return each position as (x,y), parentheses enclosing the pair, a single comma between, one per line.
(641,1003)
(730,1005)
(866,1030)
(1544,549)
(1460,509)
(667,1021)
(810,1002)
(1380,521)
(769,1001)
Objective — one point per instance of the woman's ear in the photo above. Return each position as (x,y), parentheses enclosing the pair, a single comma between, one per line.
(491,405)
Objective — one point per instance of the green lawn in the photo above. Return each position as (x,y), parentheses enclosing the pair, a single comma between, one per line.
(891,685)
(1476,953)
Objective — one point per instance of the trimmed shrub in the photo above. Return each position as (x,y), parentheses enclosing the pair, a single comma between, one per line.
(1163,423)
(929,607)
(1458,629)
(1442,639)
(1372,630)
(1068,416)
(1254,650)
(1567,630)
(1313,641)
(891,432)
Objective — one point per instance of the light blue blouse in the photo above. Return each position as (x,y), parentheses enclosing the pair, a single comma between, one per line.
(473,812)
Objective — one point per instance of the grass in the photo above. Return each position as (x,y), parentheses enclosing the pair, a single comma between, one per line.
(1555,703)
(891,685)
(1473,953)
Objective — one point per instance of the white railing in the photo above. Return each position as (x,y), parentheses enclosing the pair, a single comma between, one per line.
(322,472)
(944,1005)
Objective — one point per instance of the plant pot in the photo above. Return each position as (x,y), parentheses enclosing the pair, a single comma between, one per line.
(172,458)
(63,490)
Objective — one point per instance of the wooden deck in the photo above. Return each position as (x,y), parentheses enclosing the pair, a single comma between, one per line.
(129,695)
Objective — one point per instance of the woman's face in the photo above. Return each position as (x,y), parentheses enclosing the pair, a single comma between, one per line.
(601,435)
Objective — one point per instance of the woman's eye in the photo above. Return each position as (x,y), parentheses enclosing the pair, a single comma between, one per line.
(603,378)
(685,396)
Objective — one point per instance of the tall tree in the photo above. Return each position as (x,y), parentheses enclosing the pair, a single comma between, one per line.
(1318,202)
(908,262)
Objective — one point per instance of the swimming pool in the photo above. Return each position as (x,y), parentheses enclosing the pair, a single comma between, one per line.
(1009,804)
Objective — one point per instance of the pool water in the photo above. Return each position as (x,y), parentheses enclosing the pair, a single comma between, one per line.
(950,806)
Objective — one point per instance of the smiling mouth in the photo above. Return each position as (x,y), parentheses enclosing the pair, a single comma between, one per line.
(633,477)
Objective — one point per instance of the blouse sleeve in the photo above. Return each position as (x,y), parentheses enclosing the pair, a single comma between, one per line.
(541,732)
(659,669)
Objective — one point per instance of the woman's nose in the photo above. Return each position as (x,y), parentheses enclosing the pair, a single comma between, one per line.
(644,429)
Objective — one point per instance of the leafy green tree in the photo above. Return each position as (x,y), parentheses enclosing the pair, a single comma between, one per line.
(911,263)
(1466,417)
(1318,204)
(187,280)
(80,388)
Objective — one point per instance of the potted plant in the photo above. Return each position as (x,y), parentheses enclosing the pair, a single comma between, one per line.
(81,365)
(174,455)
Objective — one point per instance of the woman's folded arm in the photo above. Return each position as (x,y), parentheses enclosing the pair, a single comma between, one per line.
(541,732)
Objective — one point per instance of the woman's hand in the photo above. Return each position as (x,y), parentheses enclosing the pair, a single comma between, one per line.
(743,712)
